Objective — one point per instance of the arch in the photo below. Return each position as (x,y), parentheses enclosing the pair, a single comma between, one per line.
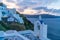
(41,32)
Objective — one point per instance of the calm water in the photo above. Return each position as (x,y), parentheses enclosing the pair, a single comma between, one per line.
(53,28)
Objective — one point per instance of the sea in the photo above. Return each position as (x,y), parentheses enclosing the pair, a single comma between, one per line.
(53,27)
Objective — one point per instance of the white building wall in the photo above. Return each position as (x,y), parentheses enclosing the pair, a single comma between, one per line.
(0,16)
(43,32)
(16,16)
(36,30)
(10,12)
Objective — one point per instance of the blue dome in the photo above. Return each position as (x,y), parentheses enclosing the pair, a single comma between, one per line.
(41,21)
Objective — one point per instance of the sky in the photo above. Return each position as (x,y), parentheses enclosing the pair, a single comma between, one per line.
(26,6)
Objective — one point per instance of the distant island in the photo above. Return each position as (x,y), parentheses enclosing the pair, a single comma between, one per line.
(42,15)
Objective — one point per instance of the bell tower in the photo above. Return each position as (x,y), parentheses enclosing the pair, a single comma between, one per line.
(40,29)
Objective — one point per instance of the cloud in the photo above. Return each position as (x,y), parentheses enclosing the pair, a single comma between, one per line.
(10,4)
(28,5)
(0,0)
(29,11)
(55,5)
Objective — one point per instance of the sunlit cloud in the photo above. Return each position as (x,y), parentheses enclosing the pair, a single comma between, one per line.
(10,4)
(26,6)
(29,11)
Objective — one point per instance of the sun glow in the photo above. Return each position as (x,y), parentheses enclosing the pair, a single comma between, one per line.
(29,11)
(10,4)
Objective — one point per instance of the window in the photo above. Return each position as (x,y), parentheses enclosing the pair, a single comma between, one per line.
(38,25)
(3,13)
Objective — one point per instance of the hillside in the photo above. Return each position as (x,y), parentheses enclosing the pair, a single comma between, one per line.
(16,26)
(5,25)
(27,23)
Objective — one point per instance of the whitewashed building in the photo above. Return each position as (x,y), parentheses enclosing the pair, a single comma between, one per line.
(10,14)
(29,34)
(18,35)
(2,35)
(11,35)
(40,29)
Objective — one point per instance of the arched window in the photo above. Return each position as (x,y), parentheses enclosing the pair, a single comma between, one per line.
(38,25)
